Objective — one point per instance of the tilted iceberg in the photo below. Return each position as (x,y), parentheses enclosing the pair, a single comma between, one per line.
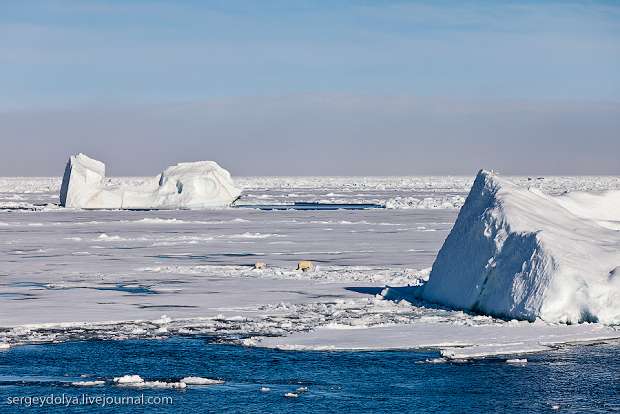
(519,253)
(190,185)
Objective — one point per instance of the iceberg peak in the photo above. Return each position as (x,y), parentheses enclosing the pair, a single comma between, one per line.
(520,253)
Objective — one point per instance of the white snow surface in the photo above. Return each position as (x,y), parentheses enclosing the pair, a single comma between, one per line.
(521,253)
(409,192)
(128,379)
(136,381)
(114,274)
(454,340)
(190,185)
(200,381)
(88,383)
(602,207)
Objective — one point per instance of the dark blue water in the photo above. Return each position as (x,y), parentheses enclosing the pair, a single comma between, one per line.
(304,206)
(578,379)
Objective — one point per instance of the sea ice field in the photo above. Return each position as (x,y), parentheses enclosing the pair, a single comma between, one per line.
(181,284)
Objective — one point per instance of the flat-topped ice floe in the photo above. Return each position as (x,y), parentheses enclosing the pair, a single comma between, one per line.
(519,253)
(453,340)
(190,185)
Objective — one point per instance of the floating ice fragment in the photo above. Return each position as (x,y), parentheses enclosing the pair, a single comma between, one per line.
(87,383)
(159,384)
(265,389)
(517,361)
(128,379)
(138,382)
(200,381)
(291,395)
(436,361)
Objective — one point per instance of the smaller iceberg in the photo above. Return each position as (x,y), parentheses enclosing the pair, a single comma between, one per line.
(188,185)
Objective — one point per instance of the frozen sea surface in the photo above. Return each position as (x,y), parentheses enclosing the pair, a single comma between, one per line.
(71,274)
(396,192)
(565,380)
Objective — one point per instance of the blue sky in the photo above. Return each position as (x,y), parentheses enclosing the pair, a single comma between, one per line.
(69,55)
(65,52)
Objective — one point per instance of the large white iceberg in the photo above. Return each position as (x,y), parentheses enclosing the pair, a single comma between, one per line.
(190,185)
(519,253)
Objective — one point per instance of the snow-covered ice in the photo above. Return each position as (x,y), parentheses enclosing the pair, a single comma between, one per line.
(395,192)
(521,253)
(87,383)
(136,381)
(455,339)
(80,274)
(517,361)
(193,185)
(128,379)
(200,381)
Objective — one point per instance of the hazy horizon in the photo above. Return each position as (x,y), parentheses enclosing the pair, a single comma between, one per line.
(358,88)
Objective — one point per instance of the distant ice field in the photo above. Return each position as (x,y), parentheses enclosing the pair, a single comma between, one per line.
(74,274)
(395,192)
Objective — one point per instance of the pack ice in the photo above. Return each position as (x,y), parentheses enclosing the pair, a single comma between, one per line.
(519,253)
(190,185)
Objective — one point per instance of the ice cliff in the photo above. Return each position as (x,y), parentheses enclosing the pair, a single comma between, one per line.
(519,253)
(191,185)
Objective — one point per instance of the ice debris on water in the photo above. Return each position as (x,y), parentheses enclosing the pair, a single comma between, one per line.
(128,379)
(87,383)
(436,361)
(517,361)
(200,381)
(137,381)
